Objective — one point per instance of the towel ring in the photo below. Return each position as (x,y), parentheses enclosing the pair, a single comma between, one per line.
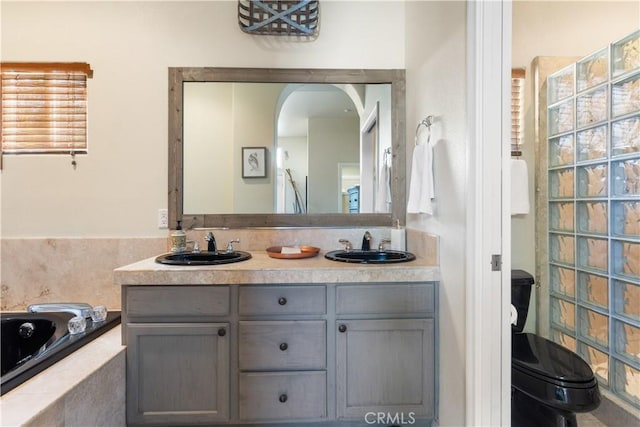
(386,155)
(426,122)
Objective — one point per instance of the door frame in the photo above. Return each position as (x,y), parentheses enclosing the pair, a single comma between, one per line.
(488,336)
(369,159)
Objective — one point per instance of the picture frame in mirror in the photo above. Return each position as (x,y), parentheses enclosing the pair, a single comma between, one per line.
(254,162)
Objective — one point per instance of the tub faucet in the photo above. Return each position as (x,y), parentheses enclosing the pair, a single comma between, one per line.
(211,242)
(366,241)
(80,309)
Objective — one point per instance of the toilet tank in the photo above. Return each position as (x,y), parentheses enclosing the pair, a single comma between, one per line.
(521,283)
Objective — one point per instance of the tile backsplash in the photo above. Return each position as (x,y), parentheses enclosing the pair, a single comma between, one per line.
(36,270)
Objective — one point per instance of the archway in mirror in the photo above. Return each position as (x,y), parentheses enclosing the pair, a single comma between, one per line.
(318,128)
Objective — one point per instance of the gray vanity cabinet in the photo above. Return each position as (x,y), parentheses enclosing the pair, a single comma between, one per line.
(334,354)
(385,351)
(177,355)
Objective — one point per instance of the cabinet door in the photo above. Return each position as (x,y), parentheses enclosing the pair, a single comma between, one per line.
(385,366)
(177,374)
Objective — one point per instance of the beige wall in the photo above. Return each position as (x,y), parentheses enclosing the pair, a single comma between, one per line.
(208,147)
(436,79)
(331,141)
(130,45)
(557,28)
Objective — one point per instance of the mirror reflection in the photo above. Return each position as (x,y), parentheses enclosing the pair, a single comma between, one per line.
(326,148)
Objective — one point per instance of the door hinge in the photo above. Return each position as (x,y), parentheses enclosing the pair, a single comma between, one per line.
(496,262)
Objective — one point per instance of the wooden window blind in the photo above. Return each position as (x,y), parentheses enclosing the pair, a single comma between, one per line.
(44,107)
(517,109)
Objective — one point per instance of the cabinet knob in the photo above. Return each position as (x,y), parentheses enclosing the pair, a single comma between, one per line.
(342,328)
(282,300)
(222,332)
(284,346)
(283,398)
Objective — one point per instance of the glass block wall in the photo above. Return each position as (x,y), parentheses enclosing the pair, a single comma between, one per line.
(594,212)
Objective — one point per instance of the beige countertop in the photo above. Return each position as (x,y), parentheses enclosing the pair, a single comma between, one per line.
(262,269)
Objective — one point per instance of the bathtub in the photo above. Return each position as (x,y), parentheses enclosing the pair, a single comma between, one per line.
(44,340)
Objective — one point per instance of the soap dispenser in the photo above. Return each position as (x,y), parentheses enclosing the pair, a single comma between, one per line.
(398,237)
(178,240)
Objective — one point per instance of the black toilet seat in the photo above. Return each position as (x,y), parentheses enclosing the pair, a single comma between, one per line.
(547,360)
(552,374)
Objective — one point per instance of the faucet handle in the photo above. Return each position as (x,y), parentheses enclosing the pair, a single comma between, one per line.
(230,245)
(346,243)
(196,247)
(382,243)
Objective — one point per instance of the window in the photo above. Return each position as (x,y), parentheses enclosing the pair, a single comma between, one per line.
(44,107)
(517,109)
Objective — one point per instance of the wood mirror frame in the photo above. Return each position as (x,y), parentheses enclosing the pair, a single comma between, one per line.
(179,75)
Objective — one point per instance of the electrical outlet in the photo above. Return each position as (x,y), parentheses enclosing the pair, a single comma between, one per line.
(163,218)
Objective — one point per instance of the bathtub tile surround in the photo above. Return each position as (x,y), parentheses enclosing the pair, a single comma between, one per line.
(67,269)
(36,270)
(87,388)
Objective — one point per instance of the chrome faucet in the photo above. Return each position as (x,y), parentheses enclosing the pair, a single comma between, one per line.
(80,309)
(211,242)
(346,243)
(196,246)
(230,245)
(382,243)
(366,241)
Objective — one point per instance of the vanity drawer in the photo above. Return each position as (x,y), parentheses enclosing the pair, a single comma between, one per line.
(282,345)
(266,300)
(282,395)
(386,299)
(176,301)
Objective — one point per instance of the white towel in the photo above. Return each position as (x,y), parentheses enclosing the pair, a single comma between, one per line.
(421,188)
(519,187)
(383,193)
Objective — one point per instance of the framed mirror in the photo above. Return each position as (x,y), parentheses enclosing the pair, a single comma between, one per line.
(209,148)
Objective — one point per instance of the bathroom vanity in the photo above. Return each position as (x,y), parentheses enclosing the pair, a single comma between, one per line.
(270,341)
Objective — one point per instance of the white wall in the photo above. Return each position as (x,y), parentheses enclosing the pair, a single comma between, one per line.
(577,29)
(297,161)
(118,187)
(331,141)
(436,75)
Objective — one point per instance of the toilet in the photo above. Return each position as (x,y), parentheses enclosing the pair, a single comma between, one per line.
(549,383)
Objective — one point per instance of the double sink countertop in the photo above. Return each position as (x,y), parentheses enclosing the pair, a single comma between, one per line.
(262,269)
